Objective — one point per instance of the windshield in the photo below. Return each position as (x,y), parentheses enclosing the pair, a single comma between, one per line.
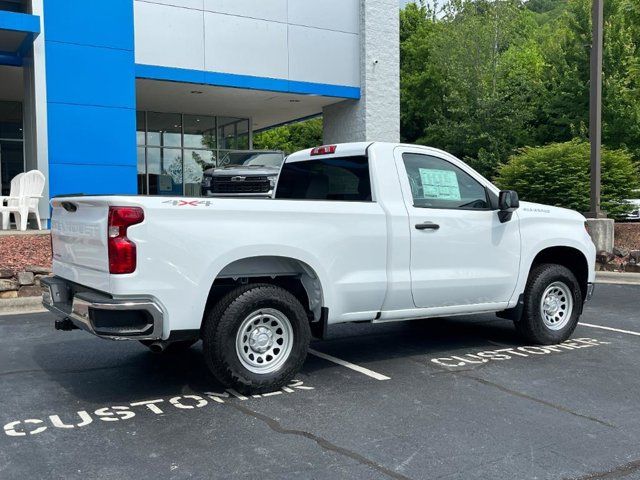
(252,159)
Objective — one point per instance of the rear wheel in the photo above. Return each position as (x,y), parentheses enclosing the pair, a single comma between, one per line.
(256,338)
(552,302)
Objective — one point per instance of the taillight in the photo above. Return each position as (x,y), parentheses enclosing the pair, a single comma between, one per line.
(122,251)
(324,150)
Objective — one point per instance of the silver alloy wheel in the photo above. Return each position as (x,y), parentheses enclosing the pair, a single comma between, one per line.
(264,340)
(556,305)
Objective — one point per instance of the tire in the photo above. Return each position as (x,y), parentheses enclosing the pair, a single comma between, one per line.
(173,348)
(276,330)
(543,322)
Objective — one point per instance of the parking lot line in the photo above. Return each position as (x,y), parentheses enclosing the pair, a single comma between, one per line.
(352,366)
(602,327)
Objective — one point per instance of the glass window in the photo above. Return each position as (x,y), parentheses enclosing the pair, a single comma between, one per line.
(195,163)
(140,128)
(142,171)
(176,149)
(11,163)
(343,179)
(242,138)
(164,129)
(199,131)
(233,133)
(11,120)
(436,183)
(164,168)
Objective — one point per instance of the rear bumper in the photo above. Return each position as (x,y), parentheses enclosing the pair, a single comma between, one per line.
(100,314)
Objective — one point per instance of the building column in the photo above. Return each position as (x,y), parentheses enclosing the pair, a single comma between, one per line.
(91,101)
(376,116)
(35,111)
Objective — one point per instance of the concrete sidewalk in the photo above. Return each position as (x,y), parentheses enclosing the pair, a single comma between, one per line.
(618,278)
(14,306)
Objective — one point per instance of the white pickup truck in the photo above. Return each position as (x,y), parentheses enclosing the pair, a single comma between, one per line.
(373,232)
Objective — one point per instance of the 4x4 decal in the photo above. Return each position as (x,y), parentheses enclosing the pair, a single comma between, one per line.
(189,203)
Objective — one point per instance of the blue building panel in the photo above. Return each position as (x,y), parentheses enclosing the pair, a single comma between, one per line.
(89,135)
(91,96)
(19,22)
(250,82)
(87,75)
(17,31)
(98,23)
(66,179)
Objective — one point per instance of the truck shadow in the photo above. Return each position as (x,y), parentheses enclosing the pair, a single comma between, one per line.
(363,343)
(100,371)
(104,372)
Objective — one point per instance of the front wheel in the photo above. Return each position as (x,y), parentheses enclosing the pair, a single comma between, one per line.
(256,338)
(552,305)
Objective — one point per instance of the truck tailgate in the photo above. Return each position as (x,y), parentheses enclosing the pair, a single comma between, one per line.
(79,240)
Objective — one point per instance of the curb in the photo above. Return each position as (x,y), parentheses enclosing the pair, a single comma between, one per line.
(12,306)
(617,278)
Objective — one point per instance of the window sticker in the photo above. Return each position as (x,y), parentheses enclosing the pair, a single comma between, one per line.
(439,184)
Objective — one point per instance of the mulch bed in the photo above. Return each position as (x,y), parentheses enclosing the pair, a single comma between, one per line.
(627,235)
(18,251)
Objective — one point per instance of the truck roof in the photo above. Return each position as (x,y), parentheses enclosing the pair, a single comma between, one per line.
(341,150)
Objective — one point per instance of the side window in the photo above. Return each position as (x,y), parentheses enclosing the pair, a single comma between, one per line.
(340,179)
(436,183)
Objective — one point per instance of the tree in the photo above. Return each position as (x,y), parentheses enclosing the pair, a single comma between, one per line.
(483,78)
(558,174)
(471,79)
(290,138)
(566,112)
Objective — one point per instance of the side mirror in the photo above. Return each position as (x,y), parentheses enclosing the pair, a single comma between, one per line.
(508,202)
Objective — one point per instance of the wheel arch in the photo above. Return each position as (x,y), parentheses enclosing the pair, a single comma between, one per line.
(569,257)
(290,273)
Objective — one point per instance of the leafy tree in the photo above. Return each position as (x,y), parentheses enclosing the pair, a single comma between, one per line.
(558,174)
(290,138)
(470,80)
(566,109)
(483,78)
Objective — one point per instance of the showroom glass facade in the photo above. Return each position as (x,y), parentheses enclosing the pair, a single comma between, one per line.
(175,149)
(11,143)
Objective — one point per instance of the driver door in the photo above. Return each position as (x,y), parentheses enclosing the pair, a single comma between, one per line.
(461,255)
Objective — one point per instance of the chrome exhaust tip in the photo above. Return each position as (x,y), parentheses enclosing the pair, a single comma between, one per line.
(158,347)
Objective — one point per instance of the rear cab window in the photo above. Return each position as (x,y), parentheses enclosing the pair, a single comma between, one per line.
(345,179)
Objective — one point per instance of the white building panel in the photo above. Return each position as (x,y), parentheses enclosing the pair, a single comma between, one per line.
(298,40)
(194,4)
(324,56)
(245,46)
(341,15)
(275,10)
(168,36)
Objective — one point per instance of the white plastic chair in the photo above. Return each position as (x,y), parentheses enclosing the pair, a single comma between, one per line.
(14,191)
(24,196)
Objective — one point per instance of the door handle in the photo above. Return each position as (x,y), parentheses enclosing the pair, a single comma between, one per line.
(427,226)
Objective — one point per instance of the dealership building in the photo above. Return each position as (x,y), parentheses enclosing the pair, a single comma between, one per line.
(139,96)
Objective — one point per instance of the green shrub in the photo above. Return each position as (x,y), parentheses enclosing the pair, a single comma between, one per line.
(558,174)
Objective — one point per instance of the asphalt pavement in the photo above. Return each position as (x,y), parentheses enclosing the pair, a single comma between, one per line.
(456,398)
